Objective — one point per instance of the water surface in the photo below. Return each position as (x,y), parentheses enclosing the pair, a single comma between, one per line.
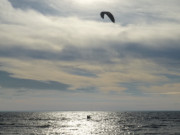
(100,123)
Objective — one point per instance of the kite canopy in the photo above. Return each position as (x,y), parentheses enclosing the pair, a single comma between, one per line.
(111,17)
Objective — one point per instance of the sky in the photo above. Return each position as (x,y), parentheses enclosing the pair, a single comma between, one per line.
(60,55)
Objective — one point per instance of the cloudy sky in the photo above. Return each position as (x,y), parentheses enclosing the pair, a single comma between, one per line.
(60,55)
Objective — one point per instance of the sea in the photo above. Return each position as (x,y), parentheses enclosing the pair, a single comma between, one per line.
(90,123)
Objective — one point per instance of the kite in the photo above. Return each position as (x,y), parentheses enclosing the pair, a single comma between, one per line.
(108,14)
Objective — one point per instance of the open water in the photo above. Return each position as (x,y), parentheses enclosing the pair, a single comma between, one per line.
(100,123)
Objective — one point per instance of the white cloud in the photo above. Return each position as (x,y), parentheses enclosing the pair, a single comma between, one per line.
(30,29)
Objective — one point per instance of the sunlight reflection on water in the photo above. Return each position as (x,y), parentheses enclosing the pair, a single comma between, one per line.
(100,123)
(76,123)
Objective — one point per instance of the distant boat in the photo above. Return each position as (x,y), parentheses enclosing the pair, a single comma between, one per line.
(88,117)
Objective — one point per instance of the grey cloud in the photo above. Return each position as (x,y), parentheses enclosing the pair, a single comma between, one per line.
(78,71)
(57,8)
(130,12)
(6,81)
(173,78)
(141,50)
(88,90)
(132,88)
(68,53)
(94,54)
(40,6)
(167,53)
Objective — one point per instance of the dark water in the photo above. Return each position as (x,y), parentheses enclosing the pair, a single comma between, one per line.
(100,123)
